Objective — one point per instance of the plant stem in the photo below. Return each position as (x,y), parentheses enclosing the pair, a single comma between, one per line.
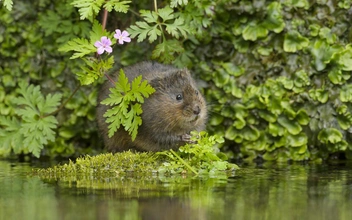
(63,104)
(110,79)
(155,6)
(184,162)
(105,18)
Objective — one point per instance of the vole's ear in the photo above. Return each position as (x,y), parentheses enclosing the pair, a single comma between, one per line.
(182,73)
(157,83)
(179,76)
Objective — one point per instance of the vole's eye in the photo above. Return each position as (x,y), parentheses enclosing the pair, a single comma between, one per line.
(197,92)
(179,97)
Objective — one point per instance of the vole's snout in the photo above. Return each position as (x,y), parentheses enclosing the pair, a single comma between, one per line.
(196,110)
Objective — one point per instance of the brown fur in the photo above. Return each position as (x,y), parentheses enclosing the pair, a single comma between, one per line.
(166,120)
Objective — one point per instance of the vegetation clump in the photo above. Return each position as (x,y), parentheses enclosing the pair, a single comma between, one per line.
(199,159)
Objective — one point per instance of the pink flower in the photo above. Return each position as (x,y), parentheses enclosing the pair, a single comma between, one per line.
(103,45)
(122,37)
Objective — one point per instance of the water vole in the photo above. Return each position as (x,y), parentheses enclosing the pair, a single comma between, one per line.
(174,110)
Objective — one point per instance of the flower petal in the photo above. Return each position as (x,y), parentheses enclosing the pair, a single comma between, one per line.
(108,49)
(100,50)
(98,44)
(105,41)
(125,34)
(118,33)
(127,39)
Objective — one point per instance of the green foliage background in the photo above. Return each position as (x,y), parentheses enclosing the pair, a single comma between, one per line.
(276,74)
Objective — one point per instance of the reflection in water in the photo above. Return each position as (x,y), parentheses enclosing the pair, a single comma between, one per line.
(276,192)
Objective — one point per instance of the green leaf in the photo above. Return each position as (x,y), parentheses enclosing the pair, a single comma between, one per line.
(125,112)
(314,29)
(117,5)
(94,69)
(320,95)
(268,116)
(326,33)
(294,41)
(297,3)
(175,3)
(345,121)
(329,135)
(323,53)
(344,58)
(292,126)
(276,130)
(37,126)
(143,30)
(97,32)
(8,4)
(81,47)
(165,51)
(346,93)
(232,69)
(253,31)
(10,137)
(250,133)
(88,8)
(302,117)
(301,79)
(274,20)
(297,140)
(166,13)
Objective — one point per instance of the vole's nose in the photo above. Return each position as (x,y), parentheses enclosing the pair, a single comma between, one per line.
(196,110)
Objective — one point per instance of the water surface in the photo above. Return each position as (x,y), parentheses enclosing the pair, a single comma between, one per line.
(269,192)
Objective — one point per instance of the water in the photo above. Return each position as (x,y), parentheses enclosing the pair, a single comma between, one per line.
(270,192)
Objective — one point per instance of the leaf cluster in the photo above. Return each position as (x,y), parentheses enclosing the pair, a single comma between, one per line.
(88,9)
(126,99)
(93,68)
(201,157)
(35,128)
(159,24)
(30,37)
(8,4)
(281,79)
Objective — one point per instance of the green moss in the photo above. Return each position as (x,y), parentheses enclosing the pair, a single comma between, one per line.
(200,158)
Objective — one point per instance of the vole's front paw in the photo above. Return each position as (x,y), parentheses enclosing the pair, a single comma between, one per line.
(187,138)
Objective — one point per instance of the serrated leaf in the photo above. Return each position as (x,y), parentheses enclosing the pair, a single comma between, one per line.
(36,126)
(94,69)
(124,110)
(142,30)
(88,8)
(97,32)
(10,137)
(165,51)
(117,5)
(8,4)
(175,3)
(50,104)
(149,16)
(81,47)
(166,13)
